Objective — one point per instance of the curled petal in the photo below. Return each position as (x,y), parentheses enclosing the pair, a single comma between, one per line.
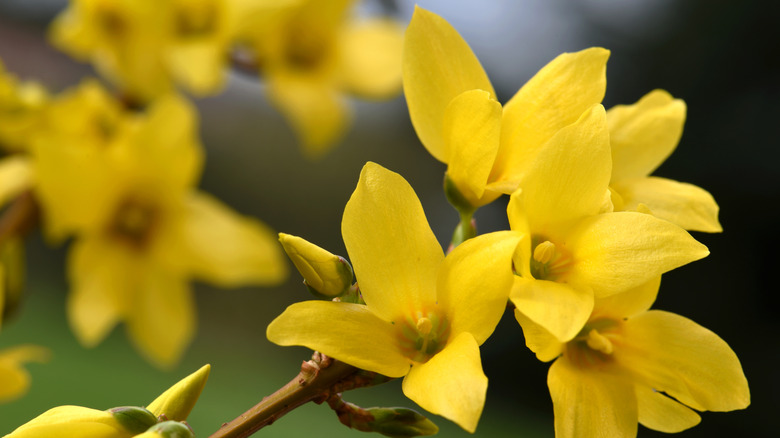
(546,346)
(560,309)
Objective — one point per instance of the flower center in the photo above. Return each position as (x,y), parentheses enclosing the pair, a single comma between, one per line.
(549,261)
(196,19)
(133,223)
(306,48)
(595,343)
(422,335)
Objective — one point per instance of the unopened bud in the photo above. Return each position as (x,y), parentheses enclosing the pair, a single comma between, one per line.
(168,429)
(177,402)
(400,422)
(133,419)
(326,274)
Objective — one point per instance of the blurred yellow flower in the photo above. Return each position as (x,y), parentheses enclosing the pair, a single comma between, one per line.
(630,364)
(643,135)
(20,107)
(575,246)
(454,110)
(142,230)
(425,315)
(14,379)
(145,46)
(311,54)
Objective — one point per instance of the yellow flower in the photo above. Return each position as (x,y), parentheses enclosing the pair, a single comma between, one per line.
(575,247)
(630,364)
(14,379)
(311,55)
(454,110)
(425,315)
(142,230)
(643,135)
(20,107)
(145,45)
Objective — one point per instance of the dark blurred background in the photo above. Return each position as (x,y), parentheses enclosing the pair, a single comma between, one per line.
(721,57)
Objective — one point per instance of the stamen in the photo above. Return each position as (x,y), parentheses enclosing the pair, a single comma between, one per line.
(599,342)
(424,326)
(544,252)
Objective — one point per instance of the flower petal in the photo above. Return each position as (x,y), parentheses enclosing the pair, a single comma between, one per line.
(570,175)
(219,246)
(559,308)
(629,303)
(71,422)
(14,378)
(644,134)
(662,413)
(472,127)
(16,176)
(348,332)
(451,384)
(162,321)
(371,58)
(555,97)
(682,204)
(437,66)
(591,403)
(474,283)
(614,252)
(199,65)
(675,355)
(546,346)
(392,248)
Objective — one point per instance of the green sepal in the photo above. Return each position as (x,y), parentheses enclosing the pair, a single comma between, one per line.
(133,419)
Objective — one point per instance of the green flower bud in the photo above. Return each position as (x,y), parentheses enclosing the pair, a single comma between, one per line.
(327,275)
(177,402)
(133,419)
(400,422)
(168,429)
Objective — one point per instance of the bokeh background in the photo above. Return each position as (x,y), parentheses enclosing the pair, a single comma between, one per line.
(721,57)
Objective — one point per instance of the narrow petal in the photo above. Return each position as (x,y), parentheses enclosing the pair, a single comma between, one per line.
(559,308)
(347,332)
(224,248)
(662,413)
(451,384)
(371,58)
(14,378)
(555,97)
(644,134)
(16,176)
(104,280)
(591,403)
(685,205)
(474,283)
(675,355)
(162,320)
(615,252)
(629,303)
(546,346)
(570,175)
(198,65)
(472,127)
(392,248)
(437,66)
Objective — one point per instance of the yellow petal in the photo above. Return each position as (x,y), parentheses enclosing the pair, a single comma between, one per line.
(559,308)
(546,346)
(644,134)
(199,65)
(675,355)
(615,252)
(177,402)
(16,176)
(451,384)
(591,403)
(660,412)
(472,127)
(14,378)
(371,58)
(348,332)
(314,109)
(222,247)
(474,283)
(104,279)
(71,422)
(555,97)
(394,252)
(629,303)
(685,205)
(437,66)
(570,175)
(162,319)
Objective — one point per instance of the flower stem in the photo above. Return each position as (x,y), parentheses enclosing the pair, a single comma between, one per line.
(318,380)
(465,230)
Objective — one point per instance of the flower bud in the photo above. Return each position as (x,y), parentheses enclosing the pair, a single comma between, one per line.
(177,402)
(168,429)
(133,419)
(74,421)
(400,422)
(326,274)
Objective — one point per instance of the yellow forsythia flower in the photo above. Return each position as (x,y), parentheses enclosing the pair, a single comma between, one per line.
(630,364)
(142,229)
(643,135)
(14,379)
(20,107)
(311,55)
(425,315)
(575,248)
(145,46)
(456,116)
